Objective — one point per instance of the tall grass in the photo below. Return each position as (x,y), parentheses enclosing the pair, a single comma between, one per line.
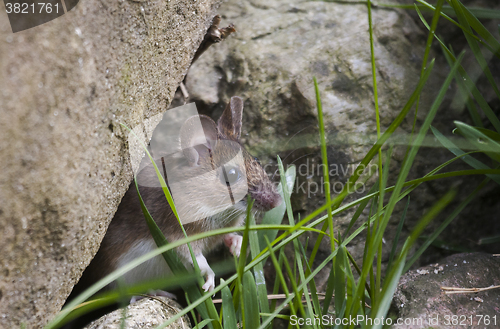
(352,289)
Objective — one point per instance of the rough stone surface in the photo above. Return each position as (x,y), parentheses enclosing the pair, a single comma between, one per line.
(146,313)
(419,295)
(65,87)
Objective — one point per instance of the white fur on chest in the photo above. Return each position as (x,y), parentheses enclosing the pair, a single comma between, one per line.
(157,266)
(154,268)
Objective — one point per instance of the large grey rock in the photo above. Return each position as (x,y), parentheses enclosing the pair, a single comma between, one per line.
(420,301)
(146,313)
(65,87)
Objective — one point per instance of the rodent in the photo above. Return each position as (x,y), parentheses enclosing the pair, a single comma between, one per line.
(128,236)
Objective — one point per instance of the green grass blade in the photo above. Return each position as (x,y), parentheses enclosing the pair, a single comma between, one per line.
(281,277)
(252,318)
(244,245)
(326,179)
(491,134)
(228,312)
(110,297)
(473,44)
(324,159)
(396,237)
(293,282)
(368,243)
(463,95)
(481,141)
(258,270)
(351,285)
(450,174)
(470,87)
(119,273)
(430,7)
(206,310)
(489,240)
(286,192)
(330,286)
(302,276)
(390,283)
(312,284)
(383,181)
(484,13)
(240,268)
(399,185)
(296,231)
(275,216)
(161,179)
(446,222)
(276,286)
(362,206)
(282,239)
(432,30)
(371,153)
(340,282)
(459,153)
(202,324)
(170,256)
(377,121)
(303,284)
(447,245)
(481,30)
(291,220)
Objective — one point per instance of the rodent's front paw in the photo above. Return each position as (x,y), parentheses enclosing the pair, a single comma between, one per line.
(206,271)
(233,241)
(210,283)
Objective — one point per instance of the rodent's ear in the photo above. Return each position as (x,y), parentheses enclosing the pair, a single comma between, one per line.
(229,123)
(198,136)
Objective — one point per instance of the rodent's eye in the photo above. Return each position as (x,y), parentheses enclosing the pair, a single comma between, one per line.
(230,175)
(257,159)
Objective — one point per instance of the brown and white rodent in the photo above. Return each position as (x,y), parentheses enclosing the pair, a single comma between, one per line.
(208,156)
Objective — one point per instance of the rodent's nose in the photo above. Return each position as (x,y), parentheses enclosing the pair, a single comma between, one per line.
(269,201)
